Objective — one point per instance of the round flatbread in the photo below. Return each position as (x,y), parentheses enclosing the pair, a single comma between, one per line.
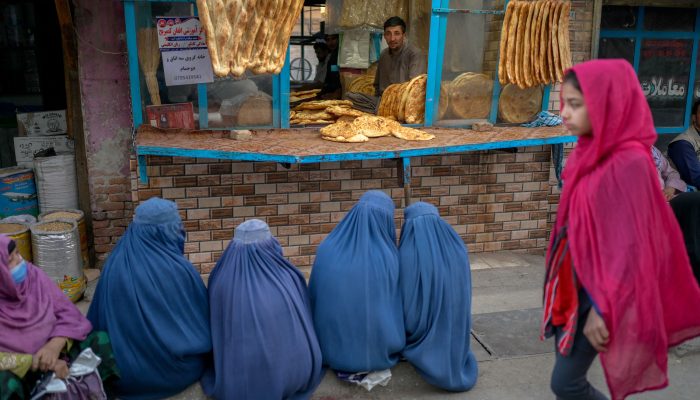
(385,109)
(373,126)
(339,111)
(556,61)
(543,59)
(527,48)
(415,104)
(321,104)
(444,102)
(512,45)
(520,41)
(535,42)
(518,105)
(564,44)
(550,45)
(470,96)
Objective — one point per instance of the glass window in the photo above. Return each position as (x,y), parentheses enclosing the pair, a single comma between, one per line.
(239,102)
(469,65)
(617,48)
(669,19)
(619,17)
(664,72)
(697,79)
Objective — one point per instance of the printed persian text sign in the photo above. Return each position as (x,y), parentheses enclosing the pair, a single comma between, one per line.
(184,51)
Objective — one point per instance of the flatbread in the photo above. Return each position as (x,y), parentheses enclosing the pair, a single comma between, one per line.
(564,42)
(406,133)
(555,43)
(470,96)
(373,126)
(444,102)
(414,111)
(303,92)
(543,58)
(339,111)
(387,100)
(281,47)
(264,50)
(321,104)
(512,45)
(363,84)
(295,98)
(550,45)
(206,17)
(520,42)
(342,132)
(351,139)
(311,121)
(535,42)
(397,105)
(528,80)
(313,114)
(517,105)
(503,46)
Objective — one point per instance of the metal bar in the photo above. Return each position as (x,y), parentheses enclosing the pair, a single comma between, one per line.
(406,181)
(671,129)
(496,93)
(638,39)
(142,168)
(132,50)
(693,73)
(276,100)
(284,92)
(545,97)
(202,98)
(436,55)
(370,155)
(613,34)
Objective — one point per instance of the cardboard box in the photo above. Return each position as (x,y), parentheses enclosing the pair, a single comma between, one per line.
(167,116)
(26,147)
(47,123)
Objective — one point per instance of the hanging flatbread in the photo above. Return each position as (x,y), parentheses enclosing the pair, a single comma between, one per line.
(281,49)
(322,104)
(550,46)
(543,58)
(512,45)
(564,43)
(535,42)
(373,126)
(406,133)
(415,104)
(470,96)
(555,42)
(264,49)
(520,42)
(503,45)
(517,105)
(527,48)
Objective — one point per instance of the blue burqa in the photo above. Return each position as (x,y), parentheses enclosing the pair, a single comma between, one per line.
(354,289)
(265,346)
(154,306)
(435,283)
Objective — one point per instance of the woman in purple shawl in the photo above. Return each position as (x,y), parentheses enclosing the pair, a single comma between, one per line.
(41,331)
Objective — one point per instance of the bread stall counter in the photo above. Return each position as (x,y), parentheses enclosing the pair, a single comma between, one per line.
(305,145)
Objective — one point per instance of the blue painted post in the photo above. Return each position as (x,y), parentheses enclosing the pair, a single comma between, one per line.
(545,97)
(436,55)
(284,93)
(202,99)
(276,101)
(143,171)
(406,181)
(132,49)
(638,39)
(377,42)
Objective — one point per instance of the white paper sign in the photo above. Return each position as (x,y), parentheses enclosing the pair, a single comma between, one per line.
(183,49)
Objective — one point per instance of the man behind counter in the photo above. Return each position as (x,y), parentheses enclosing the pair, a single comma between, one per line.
(327,71)
(401,61)
(398,63)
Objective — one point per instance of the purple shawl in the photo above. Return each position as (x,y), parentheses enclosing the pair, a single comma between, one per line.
(34,311)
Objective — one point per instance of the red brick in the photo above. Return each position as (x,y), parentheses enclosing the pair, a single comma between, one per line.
(218,213)
(185,181)
(300,219)
(209,224)
(197,192)
(255,200)
(265,210)
(220,168)
(240,190)
(278,220)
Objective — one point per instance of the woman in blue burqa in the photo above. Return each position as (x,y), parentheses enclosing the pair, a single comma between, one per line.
(154,306)
(265,346)
(354,289)
(435,284)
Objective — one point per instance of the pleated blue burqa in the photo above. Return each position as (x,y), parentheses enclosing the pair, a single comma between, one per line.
(154,306)
(265,346)
(435,283)
(354,289)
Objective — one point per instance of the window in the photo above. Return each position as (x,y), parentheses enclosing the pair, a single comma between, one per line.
(662,44)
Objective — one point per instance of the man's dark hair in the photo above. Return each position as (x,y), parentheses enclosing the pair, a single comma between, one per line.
(696,106)
(571,78)
(322,46)
(395,21)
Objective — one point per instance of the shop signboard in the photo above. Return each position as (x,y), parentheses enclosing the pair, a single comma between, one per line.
(184,51)
(26,147)
(48,123)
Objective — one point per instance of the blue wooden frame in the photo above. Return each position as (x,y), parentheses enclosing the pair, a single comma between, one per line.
(438,29)
(639,34)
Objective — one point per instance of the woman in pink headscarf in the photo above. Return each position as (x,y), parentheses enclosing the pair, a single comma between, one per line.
(38,327)
(614,285)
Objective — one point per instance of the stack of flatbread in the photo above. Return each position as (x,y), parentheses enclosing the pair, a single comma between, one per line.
(405,102)
(534,47)
(363,84)
(322,112)
(303,95)
(248,34)
(350,129)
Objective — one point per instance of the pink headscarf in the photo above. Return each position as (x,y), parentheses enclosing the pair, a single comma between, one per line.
(626,245)
(34,311)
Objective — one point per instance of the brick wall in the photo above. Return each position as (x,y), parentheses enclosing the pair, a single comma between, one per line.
(494,200)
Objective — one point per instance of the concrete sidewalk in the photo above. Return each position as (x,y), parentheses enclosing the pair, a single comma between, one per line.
(513,362)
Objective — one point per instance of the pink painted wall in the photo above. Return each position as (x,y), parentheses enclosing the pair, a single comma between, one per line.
(104,83)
